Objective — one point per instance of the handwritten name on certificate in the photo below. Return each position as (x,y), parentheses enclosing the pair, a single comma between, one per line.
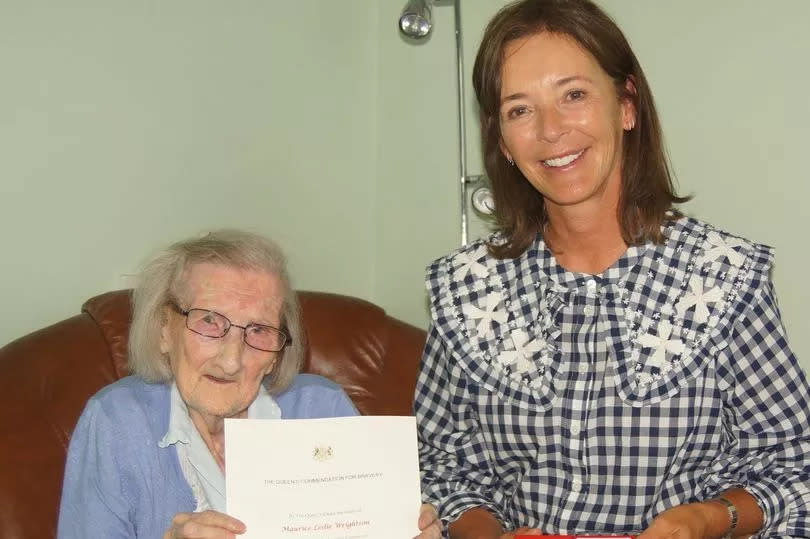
(336,478)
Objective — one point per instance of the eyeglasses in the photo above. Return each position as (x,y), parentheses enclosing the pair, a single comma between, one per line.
(212,324)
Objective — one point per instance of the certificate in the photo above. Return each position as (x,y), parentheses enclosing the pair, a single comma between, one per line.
(346,477)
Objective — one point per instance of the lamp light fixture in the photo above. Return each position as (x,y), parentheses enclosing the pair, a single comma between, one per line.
(416,20)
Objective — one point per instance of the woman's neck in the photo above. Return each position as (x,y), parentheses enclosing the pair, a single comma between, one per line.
(584,240)
(212,432)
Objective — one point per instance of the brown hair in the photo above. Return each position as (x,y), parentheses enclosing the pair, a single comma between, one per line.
(647,191)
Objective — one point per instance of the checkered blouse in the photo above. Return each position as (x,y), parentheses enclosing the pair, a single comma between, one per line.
(590,403)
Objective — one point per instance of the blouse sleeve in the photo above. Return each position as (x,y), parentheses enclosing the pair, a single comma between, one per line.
(343,405)
(456,474)
(93,502)
(765,419)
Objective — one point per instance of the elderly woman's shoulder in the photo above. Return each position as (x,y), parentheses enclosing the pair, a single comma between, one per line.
(130,401)
(312,396)
(132,390)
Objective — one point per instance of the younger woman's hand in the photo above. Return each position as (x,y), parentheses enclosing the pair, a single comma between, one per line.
(429,523)
(688,521)
(521,531)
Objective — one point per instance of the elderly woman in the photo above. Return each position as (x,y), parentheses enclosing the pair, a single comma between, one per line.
(602,364)
(215,334)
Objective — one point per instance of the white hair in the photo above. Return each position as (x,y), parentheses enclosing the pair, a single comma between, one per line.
(163,280)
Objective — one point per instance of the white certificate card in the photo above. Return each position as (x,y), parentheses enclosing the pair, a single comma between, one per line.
(345,477)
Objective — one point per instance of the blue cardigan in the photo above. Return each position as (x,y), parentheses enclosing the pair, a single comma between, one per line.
(120,484)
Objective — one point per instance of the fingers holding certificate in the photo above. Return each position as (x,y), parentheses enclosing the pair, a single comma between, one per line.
(429,523)
(336,478)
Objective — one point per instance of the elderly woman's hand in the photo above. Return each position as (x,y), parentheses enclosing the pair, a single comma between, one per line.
(429,523)
(204,525)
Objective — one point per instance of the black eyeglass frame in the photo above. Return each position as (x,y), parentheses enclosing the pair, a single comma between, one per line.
(180,310)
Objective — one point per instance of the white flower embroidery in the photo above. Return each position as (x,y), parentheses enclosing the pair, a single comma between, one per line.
(469,264)
(522,355)
(537,383)
(487,315)
(661,344)
(723,249)
(698,298)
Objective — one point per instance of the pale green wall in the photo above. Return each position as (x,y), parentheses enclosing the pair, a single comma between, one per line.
(127,124)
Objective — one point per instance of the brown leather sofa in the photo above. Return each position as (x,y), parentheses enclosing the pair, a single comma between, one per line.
(46,378)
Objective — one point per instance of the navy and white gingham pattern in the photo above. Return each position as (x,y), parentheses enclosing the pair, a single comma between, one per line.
(589,404)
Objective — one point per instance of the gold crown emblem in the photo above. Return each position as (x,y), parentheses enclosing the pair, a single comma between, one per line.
(322,453)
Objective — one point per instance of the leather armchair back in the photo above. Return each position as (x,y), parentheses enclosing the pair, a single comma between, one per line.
(47,376)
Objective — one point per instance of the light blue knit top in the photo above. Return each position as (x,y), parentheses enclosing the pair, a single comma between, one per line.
(119,482)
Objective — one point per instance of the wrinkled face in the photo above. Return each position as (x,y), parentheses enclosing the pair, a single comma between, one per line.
(221,377)
(561,120)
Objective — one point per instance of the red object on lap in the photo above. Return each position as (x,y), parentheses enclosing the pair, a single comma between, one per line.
(575,536)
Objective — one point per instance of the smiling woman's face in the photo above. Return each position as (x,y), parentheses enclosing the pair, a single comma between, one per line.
(220,378)
(561,119)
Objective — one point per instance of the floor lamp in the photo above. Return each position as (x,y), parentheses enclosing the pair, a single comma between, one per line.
(416,22)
